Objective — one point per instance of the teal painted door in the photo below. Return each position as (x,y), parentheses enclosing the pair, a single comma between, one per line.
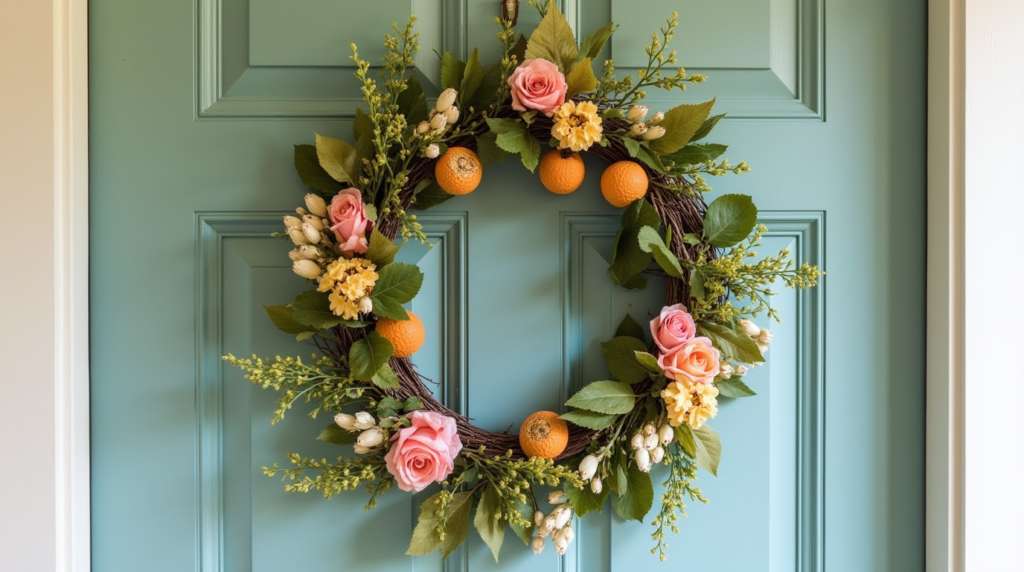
(195,105)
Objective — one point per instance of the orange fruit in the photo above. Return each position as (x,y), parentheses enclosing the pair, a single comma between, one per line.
(544,434)
(406,335)
(561,174)
(623,182)
(458,171)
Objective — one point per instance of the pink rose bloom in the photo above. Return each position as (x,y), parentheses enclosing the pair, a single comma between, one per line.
(425,452)
(673,327)
(537,84)
(696,360)
(349,222)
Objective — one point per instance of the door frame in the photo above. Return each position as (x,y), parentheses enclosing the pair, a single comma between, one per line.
(946,313)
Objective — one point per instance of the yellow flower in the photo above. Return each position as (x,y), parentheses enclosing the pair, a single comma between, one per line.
(348,280)
(692,403)
(576,127)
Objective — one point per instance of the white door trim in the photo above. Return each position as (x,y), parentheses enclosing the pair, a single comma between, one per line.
(946,318)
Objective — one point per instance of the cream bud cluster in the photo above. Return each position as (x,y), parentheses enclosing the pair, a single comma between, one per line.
(370,435)
(557,524)
(647,131)
(649,444)
(308,232)
(761,336)
(444,114)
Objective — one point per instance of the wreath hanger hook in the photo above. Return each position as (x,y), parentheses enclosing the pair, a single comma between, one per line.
(510,10)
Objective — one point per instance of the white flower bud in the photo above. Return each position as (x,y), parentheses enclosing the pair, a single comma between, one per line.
(291,222)
(654,132)
(298,237)
(643,460)
(316,204)
(432,151)
(568,534)
(749,328)
(637,113)
(638,130)
(561,545)
(650,429)
(562,515)
(301,211)
(309,252)
(596,485)
(365,305)
(657,118)
(637,442)
(371,437)
(588,466)
(657,454)
(423,127)
(667,434)
(314,221)
(537,545)
(312,234)
(446,99)
(548,526)
(651,441)
(346,421)
(306,268)
(556,497)
(765,337)
(452,115)
(295,255)
(725,370)
(741,370)
(439,122)
(364,421)
(538,518)
(361,449)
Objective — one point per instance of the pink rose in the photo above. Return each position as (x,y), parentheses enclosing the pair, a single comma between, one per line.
(673,327)
(349,222)
(537,84)
(696,360)
(425,452)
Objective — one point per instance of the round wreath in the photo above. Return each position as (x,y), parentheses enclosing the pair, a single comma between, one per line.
(410,157)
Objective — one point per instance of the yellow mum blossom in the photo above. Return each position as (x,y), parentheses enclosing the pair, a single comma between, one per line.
(348,280)
(692,403)
(577,126)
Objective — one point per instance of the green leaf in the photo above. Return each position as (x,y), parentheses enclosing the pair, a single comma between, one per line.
(385,378)
(706,127)
(680,124)
(487,521)
(458,523)
(733,345)
(635,502)
(488,151)
(519,53)
(629,327)
(368,355)
(632,145)
(500,126)
(524,532)
(412,404)
(592,45)
(730,219)
(651,241)
(610,397)
(282,318)
(388,407)
(514,137)
(553,40)
(381,251)
(312,174)
(412,103)
(489,88)
(581,79)
(621,478)
(684,436)
(620,353)
(313,309)
(691,238)
(628,260)
(733,387)
(584,500)
(697,289)
(397,283)
(589,419)
(337,157)
(709,448)
(425,538)
(649,362)
(336,435)
(452,71)
(651,159)
(472,79)
(694,154)
(430,196)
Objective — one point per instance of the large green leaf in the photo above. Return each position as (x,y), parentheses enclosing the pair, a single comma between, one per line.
(730,219)
(609,397)
(733,345)
(581,78)
(312,174)
(635,502)
(651,241)
(368,355)
(472,79)
(706,127)
(452,71)
(385,378)
(382,250)
(313,309)
(628,259)
(336,435)
(425,537)
(649,362)
(684,436)
(430,196)
(592,45)
(489,88)
(524,532)
(514,137)
(397,283)
(282,318)
(458,523)
(412,103)
(337,157)
(733,387)
(488,151)
(680,124)
(620,353)
(553,40)
(589,419)
(488,521)
(695,154)
(584,500)
(629,327)
(709,448)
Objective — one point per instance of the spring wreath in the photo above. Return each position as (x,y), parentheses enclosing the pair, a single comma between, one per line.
(665,379)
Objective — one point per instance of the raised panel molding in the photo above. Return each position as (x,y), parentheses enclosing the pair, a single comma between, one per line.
(806,229)
(447,230)
(229,86)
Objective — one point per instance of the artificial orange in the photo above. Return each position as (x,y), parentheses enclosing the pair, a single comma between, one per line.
(544,434)
(561,173)
(458,171)
(624,182)
(406,335)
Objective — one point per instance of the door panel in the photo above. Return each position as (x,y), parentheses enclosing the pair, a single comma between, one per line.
(516,297)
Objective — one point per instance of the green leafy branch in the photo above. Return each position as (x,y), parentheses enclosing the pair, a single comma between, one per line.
(678,490)
(333,478)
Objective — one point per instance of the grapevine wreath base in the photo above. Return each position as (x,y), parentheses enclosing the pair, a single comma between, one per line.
(665,379)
